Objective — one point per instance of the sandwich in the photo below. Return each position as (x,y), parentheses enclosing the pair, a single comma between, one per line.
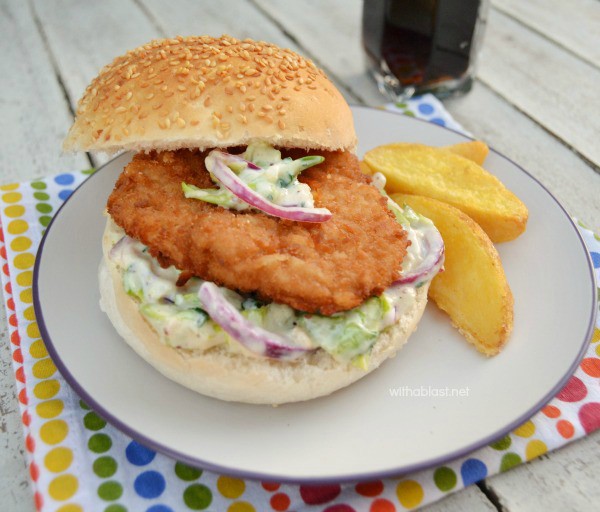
(245,256)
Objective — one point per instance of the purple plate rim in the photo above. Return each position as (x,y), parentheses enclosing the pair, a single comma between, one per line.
(265,476)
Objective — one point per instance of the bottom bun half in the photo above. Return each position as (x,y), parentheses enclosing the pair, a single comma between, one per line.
(234,376)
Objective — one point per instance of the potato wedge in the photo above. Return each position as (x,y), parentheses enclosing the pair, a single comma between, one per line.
(441,174)
(475,150)
(472,289)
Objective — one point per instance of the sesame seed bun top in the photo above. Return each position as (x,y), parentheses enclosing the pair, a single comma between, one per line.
(205,92)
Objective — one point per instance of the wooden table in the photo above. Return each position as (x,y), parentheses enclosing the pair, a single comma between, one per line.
(536,100)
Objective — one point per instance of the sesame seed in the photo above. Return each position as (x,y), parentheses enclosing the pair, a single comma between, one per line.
(181,122)
(181,88)
(195,122)
(150,96)
(229,109)
(267,107)
(120,109)
(128,95)
(281,125)
(251,107)
(207,101)
(242,106)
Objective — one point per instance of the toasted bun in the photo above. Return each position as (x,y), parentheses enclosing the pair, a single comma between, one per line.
(205,92)
(237,377)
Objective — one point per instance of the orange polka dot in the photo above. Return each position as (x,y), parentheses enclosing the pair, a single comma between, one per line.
(26,418)
(382,505)
(551,411)
(565,428)
(30,443)
(20,374)
(369,489)
(18,356)
(280,502)
(34,471)
(270,486)
(39,501)
(23,397)
(591,366)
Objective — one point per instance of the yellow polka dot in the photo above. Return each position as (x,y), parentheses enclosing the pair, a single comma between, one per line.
(58,459)
(26,296)
(25,278)
(50,409)
(33,330)
(12,197)
(70,507)
(63,487)
(231,487)
(21,243)
(54,431)
(525,430)
(241,506)
(410,493)
(29,313)
(16,227)
(535,448)
(16,210)
(38,350)
(10,186)
(47,389)
(596,335)
(44,368)
(24,261)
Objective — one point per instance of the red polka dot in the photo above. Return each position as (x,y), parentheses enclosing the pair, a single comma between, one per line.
(574,391)
(589,416)
(39,501)
(565,428)
(20,375)
(369,489)
(270,486)
(18,356)
(15,338)
(34,471)
(382,505)
(1,236)
(318,494)
(26,418)
(3,252)
(280,502)
(30,443)
(5,269)
(10,304)
(551,411)
(23,396)
(12,319)
(591,366)
(8,288)
(339,508)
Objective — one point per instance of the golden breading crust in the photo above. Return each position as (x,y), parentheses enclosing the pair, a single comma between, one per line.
(319,268)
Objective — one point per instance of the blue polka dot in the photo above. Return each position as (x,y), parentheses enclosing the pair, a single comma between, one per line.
(438,120)
(425,108)
(159,508)
(150,484)
(63,194)
(473,470)
(595,259)
(138,454)
(64,179)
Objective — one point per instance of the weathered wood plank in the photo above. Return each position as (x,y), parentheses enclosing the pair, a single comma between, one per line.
(574,24)
(35,114)
(549,84)
(492,119)
(330,31)
(563,480)
(470,499)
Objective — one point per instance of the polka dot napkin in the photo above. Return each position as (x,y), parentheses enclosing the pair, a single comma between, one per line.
(79,462)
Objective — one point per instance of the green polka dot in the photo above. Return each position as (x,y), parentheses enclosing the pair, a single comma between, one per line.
(89,171)
(93,422)
(502,444)
(105,467)
(45,220)
(38,185)
(187,473)
(110,490)
(444,478)
(115,508)
(197,497)
(509,460)
(41,196)
(99,443)
(43,208)
(83,405)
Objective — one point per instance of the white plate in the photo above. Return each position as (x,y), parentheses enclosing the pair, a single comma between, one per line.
(359,432)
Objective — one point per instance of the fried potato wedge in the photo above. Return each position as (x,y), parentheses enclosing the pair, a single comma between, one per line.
(441,174)
(475,150)
(472,289)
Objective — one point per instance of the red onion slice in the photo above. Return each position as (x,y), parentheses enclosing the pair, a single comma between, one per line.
(433,260)
(215,163)
(254,338)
